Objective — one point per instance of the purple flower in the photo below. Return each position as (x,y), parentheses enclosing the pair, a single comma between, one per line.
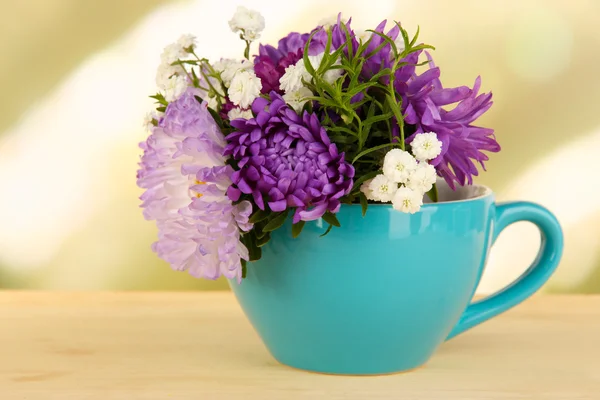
(185,179)
(271,62)
(287,161)
(463,143)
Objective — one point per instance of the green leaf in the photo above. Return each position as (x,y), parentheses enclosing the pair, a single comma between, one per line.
(331,219)
(297,228)
(259,215)
(276,222)
(216,117)
(327,231)
(160,99)
(260,242)
(161,109)
(387,39)
(372,149)
(363,203)
(307,63)
(414,39)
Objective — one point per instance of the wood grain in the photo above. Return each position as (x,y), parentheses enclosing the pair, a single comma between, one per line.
(127,346)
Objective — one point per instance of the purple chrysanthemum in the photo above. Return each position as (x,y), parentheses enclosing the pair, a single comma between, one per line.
(463,143)
(287,160)
(185,179)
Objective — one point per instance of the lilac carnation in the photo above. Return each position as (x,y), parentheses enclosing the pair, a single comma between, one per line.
(287,160)
(185,179)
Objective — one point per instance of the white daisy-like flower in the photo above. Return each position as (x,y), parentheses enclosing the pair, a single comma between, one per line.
(187,41)
(228,67)
(407,200)
(237,112)
(297,98)
(422,178)
(249,22)
(398,165)
(291,80)
(175,88)
(426,146)
(366,189)
(382,188)
(245,87)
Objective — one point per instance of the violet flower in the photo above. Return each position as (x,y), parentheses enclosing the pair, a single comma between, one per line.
(185,179)
(287,161)
(463,144)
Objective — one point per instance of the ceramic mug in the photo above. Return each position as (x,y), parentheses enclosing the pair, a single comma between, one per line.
(381,293)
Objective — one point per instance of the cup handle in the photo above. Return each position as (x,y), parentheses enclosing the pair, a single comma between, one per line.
(533,278)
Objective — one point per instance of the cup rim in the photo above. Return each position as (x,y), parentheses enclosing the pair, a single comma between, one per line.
(484,192)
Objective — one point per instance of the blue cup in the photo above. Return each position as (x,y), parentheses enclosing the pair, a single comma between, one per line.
(381,293)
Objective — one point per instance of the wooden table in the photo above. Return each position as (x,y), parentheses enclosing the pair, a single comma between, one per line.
(105,346)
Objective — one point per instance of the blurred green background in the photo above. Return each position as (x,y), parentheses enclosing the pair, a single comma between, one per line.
(75,77)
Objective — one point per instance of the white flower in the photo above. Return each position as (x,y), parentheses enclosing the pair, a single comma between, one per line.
(291,80)
(422,178)
(407,200)
(366,189)
(330,75)
(426,146)
(148,125)
(176,85)
(250,23)
(187,41)
(331,20)
(172,53)
(362,35)
(164,72)
(245,87)
(297,98)
(237,112)
(399,42)
(382,189)
(228,67)
(398,165)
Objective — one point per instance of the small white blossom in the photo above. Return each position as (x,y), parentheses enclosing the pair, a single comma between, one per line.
(228,67)
(362,35)
(172,53)
(237,112)
(297,98)
(422,178)
(291,80)
(330,75)
(164,73)
(399,42)
(331,20)
(366,189)
(250,23)
(407,200)
(398,165)
(187,41)
(148,125)
(245,87)
(382,188)
(175,88)
(426,146)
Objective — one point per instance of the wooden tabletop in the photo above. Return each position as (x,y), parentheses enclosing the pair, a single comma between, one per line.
(105,346)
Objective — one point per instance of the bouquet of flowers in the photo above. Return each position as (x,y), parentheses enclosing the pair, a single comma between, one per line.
(330,117)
